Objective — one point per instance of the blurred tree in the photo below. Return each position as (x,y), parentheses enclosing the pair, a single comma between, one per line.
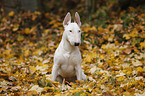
(124,4)
(18,5)
(89,8)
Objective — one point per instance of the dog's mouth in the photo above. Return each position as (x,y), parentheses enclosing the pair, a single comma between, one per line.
(74,43)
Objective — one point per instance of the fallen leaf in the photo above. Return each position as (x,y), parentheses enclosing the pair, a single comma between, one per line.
(136,63)
(127,51)
(27,31)
(11,13)
(20,38)
(126,36)
(142,44)
(36,88)
(92,70)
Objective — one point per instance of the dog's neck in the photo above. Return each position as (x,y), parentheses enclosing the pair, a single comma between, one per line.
(66,44)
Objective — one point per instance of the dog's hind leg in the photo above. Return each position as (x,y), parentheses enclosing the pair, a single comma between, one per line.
(59,79)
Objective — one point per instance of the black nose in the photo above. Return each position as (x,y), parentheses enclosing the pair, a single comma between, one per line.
(77,44)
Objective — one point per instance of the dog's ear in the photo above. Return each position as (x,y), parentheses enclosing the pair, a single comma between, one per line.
(67,19)
(77,19)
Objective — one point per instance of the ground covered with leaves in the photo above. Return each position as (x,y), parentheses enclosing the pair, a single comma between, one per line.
(113,55)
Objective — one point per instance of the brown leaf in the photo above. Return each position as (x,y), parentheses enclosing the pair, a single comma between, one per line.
(127,51)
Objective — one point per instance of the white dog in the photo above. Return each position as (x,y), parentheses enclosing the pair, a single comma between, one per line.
(67,57)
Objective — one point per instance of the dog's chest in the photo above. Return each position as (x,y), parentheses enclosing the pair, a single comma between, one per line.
(67,55)
(68,66)
(71,58)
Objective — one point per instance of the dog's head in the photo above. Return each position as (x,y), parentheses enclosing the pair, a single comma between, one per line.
(72,30)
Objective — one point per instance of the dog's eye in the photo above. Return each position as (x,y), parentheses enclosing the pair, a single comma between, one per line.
(79,30)
(70,30)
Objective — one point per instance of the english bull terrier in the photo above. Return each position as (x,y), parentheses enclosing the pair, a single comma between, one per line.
(67,57)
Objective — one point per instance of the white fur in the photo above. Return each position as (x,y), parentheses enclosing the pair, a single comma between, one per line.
(67,57)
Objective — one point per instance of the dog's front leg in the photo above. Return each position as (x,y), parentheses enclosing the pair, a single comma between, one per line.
(54,72)
(78,72)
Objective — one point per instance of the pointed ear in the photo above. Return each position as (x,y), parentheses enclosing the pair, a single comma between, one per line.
(77,19)
(67,19)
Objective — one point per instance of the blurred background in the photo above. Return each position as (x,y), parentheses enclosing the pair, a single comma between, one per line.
(88,9)
(31,18)
(112,48)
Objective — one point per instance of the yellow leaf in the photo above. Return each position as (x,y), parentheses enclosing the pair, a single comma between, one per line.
(120,78)
(34,17)
(74,90)
(49,88)
(15,27)
(143,36)
(134,33)
(139,69)
(93,69)
(93,55)
(137,94)
(46,30)
(33,29)
(32,68)
(104,88)
(46,61)
(103,46)
(111,38)
(91,79)
(7,52)
(136,63)
(52,22)
(116,42)
(38,52)
(126,36)
(102,56)
(27,30)
(89,28)
(126,93)
(90,56)
(20,38)
(36,88)
(142,44)
(45,66)
(132,9)
(30,44)
(100,29)
(117,27)
(47,15)
(55,26)
(11,13)
(16,88)
(84,94)
(100,73)
(58,94)
(26,53)
(121,74)
(3,83)
(88,59)
(37,13)
(93,28)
